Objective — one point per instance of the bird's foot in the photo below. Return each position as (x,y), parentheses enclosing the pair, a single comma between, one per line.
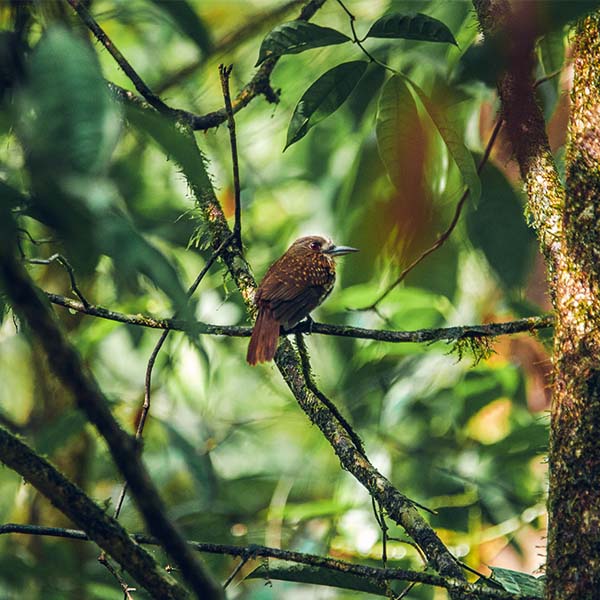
(309,324)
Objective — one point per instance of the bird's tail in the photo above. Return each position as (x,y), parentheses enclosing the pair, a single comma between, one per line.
(263,343)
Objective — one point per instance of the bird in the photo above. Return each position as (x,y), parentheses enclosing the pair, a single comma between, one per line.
(293,286)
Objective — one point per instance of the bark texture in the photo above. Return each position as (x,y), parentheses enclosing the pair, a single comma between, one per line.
(568,228)
(573,567)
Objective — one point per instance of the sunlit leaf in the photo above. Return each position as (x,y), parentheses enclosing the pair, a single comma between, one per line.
(516,582)
(297,36)
(323,98)
(453,140)
(415,26)
(396,118)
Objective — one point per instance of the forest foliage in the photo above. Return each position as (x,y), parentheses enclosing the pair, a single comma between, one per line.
(373,143)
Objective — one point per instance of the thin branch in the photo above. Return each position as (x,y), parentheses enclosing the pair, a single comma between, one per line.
(224,73)
(259,84)
(79,508)
(548,77)
(127,589)
(446,234)
(470,591)
(59,258)
(24,233)
(238,568)
(312,386)
(527,324)
(68,366)
(152,99)
(358,41)
(152,360)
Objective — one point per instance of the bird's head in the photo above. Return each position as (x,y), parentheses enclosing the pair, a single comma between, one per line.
(315,244)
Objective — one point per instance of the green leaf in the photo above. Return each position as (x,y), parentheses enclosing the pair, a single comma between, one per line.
(281,571)
(453,140)
(297,36)
(498,216)
(323,98)
(188,21)
(414,26)
(516,582)
(70,124)
(397,122)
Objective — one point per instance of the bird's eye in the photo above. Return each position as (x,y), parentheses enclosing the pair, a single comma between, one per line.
(315,246)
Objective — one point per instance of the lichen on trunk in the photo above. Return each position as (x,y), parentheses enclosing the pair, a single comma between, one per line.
(573,567)
(568,227)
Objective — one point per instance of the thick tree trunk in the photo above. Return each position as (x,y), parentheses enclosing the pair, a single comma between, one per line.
(573,567)
(568,227)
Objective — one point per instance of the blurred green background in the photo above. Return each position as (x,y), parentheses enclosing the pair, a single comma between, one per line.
(235,458)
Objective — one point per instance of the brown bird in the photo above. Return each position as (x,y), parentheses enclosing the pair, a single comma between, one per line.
(293,286)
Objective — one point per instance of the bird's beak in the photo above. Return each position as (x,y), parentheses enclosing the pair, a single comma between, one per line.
(339,250)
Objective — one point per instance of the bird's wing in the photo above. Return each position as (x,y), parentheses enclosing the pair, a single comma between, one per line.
(289,291)
(291,312)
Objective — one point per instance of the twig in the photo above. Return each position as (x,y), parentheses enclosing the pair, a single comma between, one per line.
(35,242)
(68,366)
(224,73)
(527,324)
(310,384)
(258,85)
(238,568)
(548,77)
(152,99)
(152,360)
(384,536)
(324,562)
(59,258)
(446,234)
(405,591)
(124,585)
(358,41)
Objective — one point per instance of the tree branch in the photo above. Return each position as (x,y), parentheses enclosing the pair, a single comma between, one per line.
(260,84)
(469,591)
(224,73)
(68,367)
(527,324)
(526,128)
(312,386)
(97,525)
(152,99)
